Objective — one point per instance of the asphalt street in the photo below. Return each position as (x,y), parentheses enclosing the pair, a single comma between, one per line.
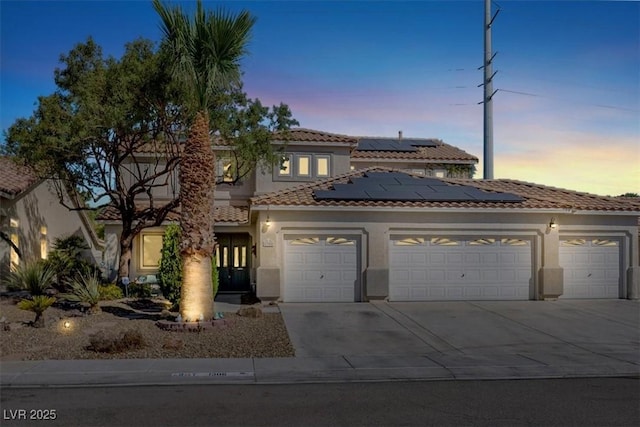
(548,402)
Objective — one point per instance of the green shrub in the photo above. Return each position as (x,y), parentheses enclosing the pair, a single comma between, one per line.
(110,292)
(67,261)
(38,304)
(84,289)
(170,272)
(35,277)
(140,290)
(215,283)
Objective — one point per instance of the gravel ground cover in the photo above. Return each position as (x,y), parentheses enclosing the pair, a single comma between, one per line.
(264,336)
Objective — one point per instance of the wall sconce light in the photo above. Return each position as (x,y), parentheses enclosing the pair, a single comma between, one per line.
(66,324)
(553,224)
(268,221)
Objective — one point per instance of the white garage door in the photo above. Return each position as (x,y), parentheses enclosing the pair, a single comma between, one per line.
(591,268)
(446,268)
(320,269)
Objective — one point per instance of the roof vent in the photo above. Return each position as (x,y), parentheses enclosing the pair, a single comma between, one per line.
(400,135)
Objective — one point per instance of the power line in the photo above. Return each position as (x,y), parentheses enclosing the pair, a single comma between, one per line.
(537,95)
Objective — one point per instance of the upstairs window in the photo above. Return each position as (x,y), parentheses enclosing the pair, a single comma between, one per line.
(304,167)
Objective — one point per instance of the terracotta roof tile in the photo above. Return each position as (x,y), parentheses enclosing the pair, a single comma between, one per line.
(235,214)
(441,152)
(535,196)
(310,135)
(15,179)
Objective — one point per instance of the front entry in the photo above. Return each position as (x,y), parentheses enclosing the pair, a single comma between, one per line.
(233,258)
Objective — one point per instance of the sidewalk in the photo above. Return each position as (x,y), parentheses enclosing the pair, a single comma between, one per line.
(413,348)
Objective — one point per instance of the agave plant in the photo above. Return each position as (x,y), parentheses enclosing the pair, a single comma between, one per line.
(38,304)
(84,289)
(35,277)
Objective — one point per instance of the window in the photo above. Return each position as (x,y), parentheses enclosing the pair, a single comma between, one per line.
(440,174)
(285,166)
(322,166)
(224,171)
(151,250)
(44,244)
(15,239)
(304,165)
(340,241)
(15,259)
(409,241)
(482,242)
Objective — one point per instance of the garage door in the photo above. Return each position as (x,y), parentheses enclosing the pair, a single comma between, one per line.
(320,269)
(445,268)
(591,268)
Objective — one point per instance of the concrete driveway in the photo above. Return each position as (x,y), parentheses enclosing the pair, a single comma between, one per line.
(594,333)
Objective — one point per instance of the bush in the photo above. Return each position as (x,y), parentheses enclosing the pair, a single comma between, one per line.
(140,290)
(84,289)
(170,272)
(38,304)
(110,292)
(34,277)
(67,261)
(104,342)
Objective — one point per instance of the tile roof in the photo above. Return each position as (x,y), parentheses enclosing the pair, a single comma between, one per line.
(310,135)
(234,214)
(440,152)
(535,196)
(15,179)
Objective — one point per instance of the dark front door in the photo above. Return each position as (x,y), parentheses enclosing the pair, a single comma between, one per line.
(233,258)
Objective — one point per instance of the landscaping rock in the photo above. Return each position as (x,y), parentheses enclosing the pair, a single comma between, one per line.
(253,312)
(172,343)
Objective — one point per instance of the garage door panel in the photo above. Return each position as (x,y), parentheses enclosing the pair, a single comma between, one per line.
(320,269)
(591,269)
(469,270)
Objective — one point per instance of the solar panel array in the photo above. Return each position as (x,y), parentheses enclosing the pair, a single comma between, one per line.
(401,187)
(390,144)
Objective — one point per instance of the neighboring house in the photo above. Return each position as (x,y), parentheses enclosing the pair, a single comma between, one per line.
(32,217)
(355,219)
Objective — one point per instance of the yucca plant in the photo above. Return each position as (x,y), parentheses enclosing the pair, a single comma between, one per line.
(38,304)
(84,289)
(34,277)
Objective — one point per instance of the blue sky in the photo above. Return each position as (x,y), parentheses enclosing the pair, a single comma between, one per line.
(566,115)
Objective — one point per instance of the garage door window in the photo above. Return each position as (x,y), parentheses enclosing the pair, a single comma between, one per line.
(305,241)
(411,241)
(482,242)
(573,242)
(515,242)
(340,241)
(444,241)
(598,242)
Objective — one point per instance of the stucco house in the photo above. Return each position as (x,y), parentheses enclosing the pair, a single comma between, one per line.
(32,217)
(360,218)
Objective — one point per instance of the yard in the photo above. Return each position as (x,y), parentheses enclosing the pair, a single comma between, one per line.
(68,334)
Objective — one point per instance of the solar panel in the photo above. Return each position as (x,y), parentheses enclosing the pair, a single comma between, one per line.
(391,144)
(399,186)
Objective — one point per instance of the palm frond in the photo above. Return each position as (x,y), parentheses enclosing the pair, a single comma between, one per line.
(207,48)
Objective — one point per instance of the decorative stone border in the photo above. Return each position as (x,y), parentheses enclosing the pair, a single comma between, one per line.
(168,325)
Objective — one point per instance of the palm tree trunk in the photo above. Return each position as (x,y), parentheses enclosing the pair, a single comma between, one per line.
(197,180)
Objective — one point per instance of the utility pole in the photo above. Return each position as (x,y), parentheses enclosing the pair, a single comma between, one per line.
(488,91)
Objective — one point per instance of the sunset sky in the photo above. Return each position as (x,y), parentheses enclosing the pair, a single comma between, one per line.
(566,113)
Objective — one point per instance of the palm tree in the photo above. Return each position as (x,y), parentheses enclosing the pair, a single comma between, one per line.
(206,52)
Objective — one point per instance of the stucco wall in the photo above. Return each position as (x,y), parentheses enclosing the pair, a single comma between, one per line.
(376,228)
(38,208)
